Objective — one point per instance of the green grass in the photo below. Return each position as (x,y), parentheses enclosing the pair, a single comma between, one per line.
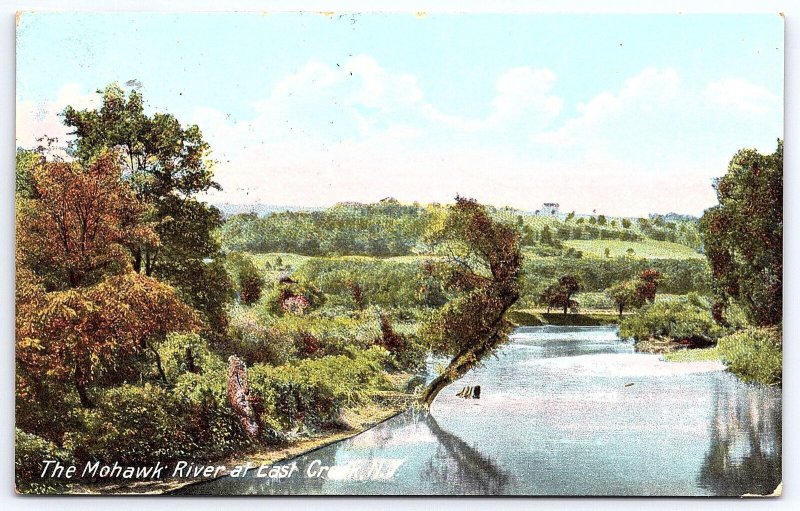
(696,355)
(287,259)
(649,249)
(529,317)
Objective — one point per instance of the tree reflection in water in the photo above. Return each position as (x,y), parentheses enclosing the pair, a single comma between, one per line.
(745,452)
(458,464)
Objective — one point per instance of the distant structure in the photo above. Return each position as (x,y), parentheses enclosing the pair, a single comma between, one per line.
(550,209)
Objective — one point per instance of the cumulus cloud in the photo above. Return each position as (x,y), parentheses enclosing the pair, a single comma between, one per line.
(741,95)
(650,94)
(41,119)
(523,94)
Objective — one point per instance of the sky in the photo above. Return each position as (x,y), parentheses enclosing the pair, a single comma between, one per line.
(620,114)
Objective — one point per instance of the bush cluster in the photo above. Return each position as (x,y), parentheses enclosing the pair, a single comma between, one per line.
(684,319)
(754,354)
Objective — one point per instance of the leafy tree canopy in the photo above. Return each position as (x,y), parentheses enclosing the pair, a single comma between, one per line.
(743,235)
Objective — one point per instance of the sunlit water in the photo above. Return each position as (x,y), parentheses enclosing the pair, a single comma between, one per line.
(563,411)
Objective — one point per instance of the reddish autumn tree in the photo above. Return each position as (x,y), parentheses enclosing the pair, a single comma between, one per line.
(647,284)
(559,295)
(71,335)
(78,221)
(481,269)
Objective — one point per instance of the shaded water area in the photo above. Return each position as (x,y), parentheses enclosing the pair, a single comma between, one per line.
(563,411)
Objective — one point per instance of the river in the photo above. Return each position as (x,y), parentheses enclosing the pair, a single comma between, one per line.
(563,411)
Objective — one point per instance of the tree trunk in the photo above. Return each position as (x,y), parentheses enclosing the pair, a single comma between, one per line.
(80,386)
(137,260)
(620,312)
(464,361)
(159,366)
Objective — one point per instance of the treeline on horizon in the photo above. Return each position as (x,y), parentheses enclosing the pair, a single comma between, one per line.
(390,228)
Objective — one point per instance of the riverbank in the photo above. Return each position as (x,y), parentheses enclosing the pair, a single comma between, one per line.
(540,317)
(354,421)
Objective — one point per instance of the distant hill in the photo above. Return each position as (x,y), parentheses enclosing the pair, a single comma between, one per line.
(229,209)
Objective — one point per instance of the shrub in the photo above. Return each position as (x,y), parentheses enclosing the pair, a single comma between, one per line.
(254,337)
(754,354)
(686,319)
(182,353)
(313,392)
(132,425)
(29,453)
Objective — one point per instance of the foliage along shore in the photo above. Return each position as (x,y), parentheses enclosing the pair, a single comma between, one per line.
(356,421)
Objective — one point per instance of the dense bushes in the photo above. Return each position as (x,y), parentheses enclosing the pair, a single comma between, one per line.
(678,276)
(388,284)
(754,354)
(383,229)
(143,424)
(313,392)
(686,319)
(29,452)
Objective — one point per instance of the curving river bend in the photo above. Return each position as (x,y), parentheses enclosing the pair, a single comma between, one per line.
(558,416)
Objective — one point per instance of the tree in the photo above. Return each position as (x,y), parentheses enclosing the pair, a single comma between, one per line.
(601,220)
(482,269)
(607,252)
(167,166)
(559,294)
(546,236)
(626,223)
(743,235)
(249,281)
(625,295)
(80,222)
(647,284)
(73,334)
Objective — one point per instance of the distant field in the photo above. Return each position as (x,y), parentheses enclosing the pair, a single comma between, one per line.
(268,263)
(649,249)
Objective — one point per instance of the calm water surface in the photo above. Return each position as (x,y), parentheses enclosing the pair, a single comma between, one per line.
(564,411)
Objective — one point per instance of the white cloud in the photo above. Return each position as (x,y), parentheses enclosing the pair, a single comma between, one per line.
(741,95)
(523,96)
(36,120)
(651,95)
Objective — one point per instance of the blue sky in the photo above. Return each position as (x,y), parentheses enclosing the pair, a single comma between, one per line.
(621,114)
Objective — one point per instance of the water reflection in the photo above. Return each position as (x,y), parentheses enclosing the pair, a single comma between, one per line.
(745,452)
(458,464)
(564,411)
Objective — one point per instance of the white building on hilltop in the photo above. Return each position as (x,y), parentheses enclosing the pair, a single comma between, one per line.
(550,209)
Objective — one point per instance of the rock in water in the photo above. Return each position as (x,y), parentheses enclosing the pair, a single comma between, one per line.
(239,396)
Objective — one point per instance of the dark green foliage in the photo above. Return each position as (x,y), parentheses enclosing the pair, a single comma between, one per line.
(678,276)
(387,228)
(25,160)
(388,284)
(29,452)
(248,279)
(743,235)
(313,392)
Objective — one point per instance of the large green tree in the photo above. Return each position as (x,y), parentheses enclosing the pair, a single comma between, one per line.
(168,165)
(743,235)
(482,269)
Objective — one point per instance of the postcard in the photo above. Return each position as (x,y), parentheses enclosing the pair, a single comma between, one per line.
(399,254)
